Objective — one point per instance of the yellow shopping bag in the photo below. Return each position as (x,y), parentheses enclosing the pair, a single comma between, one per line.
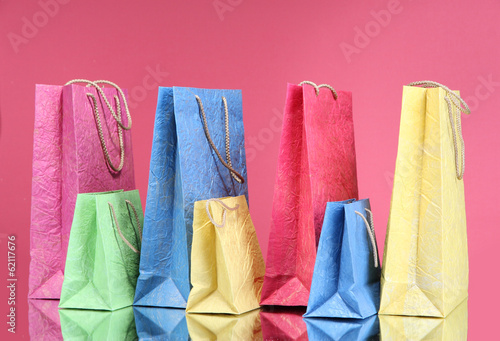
(224,327)
(451,328)
(227,267)
(425,268)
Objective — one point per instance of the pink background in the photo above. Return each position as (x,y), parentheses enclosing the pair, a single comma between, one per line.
(259,46)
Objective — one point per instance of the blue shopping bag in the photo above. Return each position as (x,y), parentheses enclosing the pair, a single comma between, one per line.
(343,329)
(198,153)
(154,323)
(346,278)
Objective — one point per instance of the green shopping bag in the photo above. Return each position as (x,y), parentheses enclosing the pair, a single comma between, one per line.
(116,325)
(102,263)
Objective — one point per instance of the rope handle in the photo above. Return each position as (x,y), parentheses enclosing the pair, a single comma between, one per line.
(225,209)
(317,87)
(118,226)
(452,101)
(116,116)
(101,135)
(237,176)
(371,232)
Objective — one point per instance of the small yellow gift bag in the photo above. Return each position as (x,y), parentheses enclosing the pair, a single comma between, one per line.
(227,267)
(425,269)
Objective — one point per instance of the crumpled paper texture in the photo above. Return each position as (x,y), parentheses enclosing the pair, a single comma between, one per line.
(425,270)
(280,323)
(43,320)
(227,267)
(316,164)
(184,169)
(67,160)
(326,329)
(116,325)
(161,323)
(451,328)
(46,269)
(224,327)
(346,282)
(101,269)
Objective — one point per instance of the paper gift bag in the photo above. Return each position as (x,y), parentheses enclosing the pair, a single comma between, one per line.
(316,164)
(425,270)
(227,267)
(451,328)
(43,319)
(161,323)
(209,327)
(198,153)
(346,279)
(279,323)
(343,329)
(103,255)
(81,134)
(116,325)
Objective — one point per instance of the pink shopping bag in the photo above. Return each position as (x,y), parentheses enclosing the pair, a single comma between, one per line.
(78,147)
(317,164)
(43,319)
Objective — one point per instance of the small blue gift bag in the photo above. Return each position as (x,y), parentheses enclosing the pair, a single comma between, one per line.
(346,278)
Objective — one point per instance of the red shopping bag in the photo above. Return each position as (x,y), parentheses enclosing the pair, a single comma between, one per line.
(317,164)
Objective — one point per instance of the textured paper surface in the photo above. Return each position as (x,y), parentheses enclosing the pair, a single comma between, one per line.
(316,164)
(227,267)
(43,319)
(327,329)
(68,159)
(425,270)
(224,327)
(346,282)
(184,169)
(452,328)
(101,269)
(161,323)
(116,325)
(283,324)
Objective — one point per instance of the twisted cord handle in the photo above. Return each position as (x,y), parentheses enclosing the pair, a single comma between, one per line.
(371,232)
(225,209)
(237,176)
(118,226)
(452,101)
(317,87)
(116,116)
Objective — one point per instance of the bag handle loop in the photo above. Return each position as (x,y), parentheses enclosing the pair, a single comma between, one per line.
(237,176)
(317,87)
(225,209)
(101,135)
(452,101)
(116,116)
(371,232)
(129,203)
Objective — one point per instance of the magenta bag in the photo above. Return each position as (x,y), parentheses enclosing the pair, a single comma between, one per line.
(317,164)
(82,143)
(43,319)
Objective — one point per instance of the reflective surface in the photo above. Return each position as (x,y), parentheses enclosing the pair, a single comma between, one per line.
(47,322)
